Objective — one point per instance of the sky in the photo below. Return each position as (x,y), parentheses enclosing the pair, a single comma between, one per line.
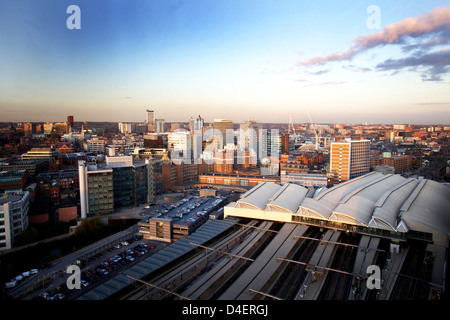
(263,60)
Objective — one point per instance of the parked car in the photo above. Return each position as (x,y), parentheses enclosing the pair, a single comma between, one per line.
(59,296)
(125,243)
(10,284)
(44,295)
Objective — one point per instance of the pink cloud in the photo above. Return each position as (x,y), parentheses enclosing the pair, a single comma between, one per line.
(414,27)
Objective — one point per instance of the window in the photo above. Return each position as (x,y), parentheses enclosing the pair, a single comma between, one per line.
(244,182)
(159,229)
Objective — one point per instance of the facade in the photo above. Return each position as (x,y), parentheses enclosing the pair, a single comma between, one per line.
(399,163)
(40,154)
(179,144)
(130,180)
(96,189)
(156,229)
(67,214)
(70,120)
(223,125)
(96,145)
(13,217)
(125,127)
(308,179)
(176,174)
(159,127)
(235,180)
(150,117)
(349,159)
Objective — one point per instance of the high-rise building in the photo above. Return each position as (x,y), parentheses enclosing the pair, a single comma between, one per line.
(130,180)
(125,127)
(222,125)
(70,120)
(349,159)
(179,144)
(159,127)
(13,217)
(96,189)
(199,123)
(150,117)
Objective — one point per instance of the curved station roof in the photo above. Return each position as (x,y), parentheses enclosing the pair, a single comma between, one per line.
(375,200)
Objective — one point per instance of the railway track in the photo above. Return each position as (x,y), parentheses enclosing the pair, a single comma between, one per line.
(338,285)
(380,260)
(293,275)
(412,282)
(176,278)
(214,282)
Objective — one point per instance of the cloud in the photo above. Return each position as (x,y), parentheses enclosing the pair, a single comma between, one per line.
(356,69)
(434,23)
(323,84)
(319,72)
(432,65)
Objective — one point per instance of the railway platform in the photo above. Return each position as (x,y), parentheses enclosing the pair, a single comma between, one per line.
(323,256)
(389,277)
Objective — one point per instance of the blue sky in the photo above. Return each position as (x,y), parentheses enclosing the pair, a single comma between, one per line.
(222,59)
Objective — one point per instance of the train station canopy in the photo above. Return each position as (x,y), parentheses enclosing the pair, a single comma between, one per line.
(376,200)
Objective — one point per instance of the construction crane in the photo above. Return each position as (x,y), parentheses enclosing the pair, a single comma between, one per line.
(291,125)
(315,131)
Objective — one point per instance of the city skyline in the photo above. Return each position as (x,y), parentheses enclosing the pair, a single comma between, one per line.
(234,60)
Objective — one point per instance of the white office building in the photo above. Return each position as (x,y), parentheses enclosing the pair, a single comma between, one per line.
(14,208)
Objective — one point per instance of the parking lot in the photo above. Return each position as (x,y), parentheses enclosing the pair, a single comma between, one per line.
(102,267)
(186,210)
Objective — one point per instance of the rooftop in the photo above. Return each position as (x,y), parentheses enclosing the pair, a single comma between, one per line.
(375,200)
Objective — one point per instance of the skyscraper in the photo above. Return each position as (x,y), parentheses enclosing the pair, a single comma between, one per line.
(349,159)
(160,125)
(222,125)
(150,117)
(70,120)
